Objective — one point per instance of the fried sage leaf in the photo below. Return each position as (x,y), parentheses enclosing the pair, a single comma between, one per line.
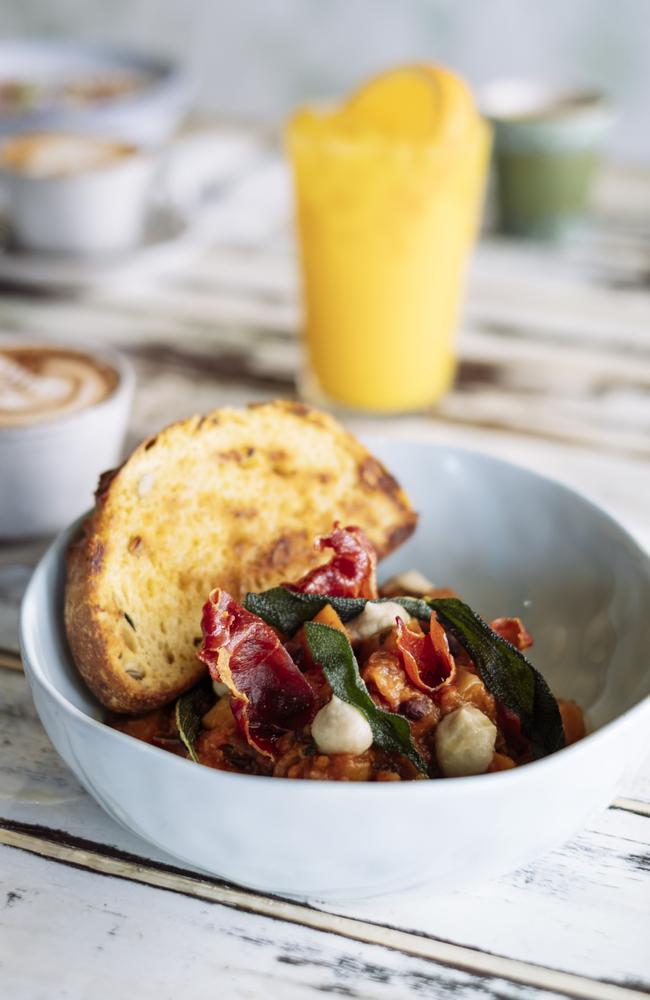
(504,670)
(506,673)
(287,610)
(333,652)
(189,711)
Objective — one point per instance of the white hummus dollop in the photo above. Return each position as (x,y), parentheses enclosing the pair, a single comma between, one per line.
(341,728)
(375,618)
(464,742)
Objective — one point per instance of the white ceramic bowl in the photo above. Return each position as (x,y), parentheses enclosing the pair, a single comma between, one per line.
(512,543)
(146,116)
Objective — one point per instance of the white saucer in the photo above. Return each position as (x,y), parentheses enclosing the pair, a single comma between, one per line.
(169,239)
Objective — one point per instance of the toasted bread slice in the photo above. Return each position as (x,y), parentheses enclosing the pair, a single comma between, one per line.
(234,499)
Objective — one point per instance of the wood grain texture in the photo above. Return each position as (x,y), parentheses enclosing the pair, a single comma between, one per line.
(165,944)
(475,964)
(10,660)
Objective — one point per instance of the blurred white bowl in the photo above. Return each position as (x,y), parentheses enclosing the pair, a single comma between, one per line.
(147,115)
(98,208)
(512,543)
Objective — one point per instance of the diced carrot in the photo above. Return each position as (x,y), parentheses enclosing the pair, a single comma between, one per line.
(219,716)
(326,616)
(501,762)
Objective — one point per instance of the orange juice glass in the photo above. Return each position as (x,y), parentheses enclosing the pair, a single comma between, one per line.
(388,192)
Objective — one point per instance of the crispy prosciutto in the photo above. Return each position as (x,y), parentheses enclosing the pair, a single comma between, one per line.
(269,695)
(513,631)
(349,573)
(426,657)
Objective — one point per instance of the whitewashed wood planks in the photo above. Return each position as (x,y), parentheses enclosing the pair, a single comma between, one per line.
(183,945)
(137,940)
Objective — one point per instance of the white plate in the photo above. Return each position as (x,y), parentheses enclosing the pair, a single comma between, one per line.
(512,543)
(169,241)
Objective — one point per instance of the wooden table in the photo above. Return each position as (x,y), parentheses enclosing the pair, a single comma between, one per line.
(555,375)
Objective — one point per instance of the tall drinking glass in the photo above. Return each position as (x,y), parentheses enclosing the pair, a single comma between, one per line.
(388,193)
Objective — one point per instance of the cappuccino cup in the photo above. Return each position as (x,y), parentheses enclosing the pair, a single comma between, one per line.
(75,194)
(63,418)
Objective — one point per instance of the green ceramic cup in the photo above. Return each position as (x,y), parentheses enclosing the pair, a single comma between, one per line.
(547,148)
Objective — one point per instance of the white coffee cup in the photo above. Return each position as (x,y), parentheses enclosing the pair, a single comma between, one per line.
(49,468)
(75,194)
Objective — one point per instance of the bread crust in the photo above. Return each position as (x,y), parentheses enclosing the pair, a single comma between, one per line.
(103,561)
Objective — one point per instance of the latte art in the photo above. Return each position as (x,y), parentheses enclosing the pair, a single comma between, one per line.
(40,383)
(44,154)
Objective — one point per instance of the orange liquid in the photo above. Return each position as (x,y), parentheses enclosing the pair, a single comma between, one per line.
(385,226)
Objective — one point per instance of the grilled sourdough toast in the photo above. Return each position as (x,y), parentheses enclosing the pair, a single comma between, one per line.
(234,499)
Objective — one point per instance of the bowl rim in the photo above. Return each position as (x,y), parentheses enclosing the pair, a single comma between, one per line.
(166,72)
(167,94)
(56,553)
(512,99)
